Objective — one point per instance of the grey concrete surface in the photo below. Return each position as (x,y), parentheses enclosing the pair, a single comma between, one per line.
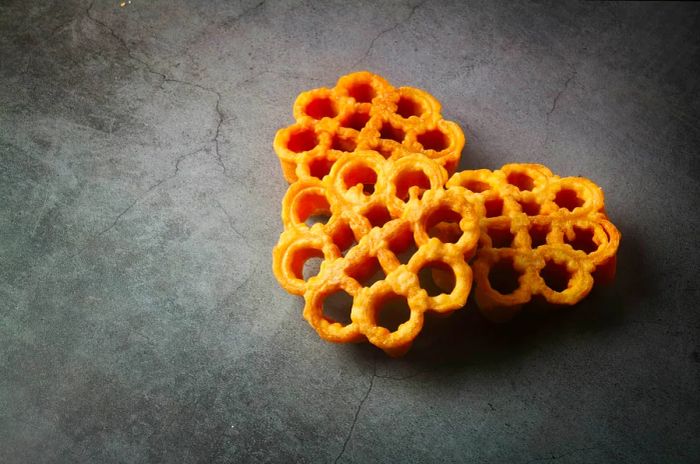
(139,203)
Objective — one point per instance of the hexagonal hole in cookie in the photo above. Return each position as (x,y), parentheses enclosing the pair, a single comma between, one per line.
(320,108)
(500,234)
(503,277)
(408,107)
(494,207)
(568,199)
(538,234)
(337,307)
(403,245)
(378,215)
(437,278)
(366,271)
(344,144)
(392,310)
(356,120)
(302,140)
(389,132)
(410,178)
(530,207)
(556,276)
(583,240)
(343,237)
(433,140)
(320,167)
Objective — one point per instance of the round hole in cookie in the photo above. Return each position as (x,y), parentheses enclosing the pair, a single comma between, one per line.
(302,140)
(556,276)
(443,223)
(392,311)
(337,307)
(378,215)
(437,278)
(503,277)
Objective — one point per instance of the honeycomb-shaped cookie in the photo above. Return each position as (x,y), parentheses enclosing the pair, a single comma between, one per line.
(386,207)
(541,235)
(363,111)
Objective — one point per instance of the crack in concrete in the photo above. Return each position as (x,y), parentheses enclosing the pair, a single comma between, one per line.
(165,79)
(555,457)
(386,31)
(133,203)
(231,221)
(357,412)
(555,101)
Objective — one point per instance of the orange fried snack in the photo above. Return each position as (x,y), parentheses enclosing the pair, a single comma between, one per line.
(385,206)
(363,111)
(541,235)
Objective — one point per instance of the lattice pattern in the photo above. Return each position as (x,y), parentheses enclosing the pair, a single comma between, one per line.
(385,206)
(363,111)
(541,235)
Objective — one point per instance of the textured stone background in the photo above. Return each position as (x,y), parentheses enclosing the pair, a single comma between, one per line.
(139,203)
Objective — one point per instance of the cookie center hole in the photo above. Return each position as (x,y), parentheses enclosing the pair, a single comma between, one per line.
(530,207)
(320,167)
(315,205)
(494,207)
(403,245)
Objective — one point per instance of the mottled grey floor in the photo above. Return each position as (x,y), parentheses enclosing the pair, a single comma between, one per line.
(139,203)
